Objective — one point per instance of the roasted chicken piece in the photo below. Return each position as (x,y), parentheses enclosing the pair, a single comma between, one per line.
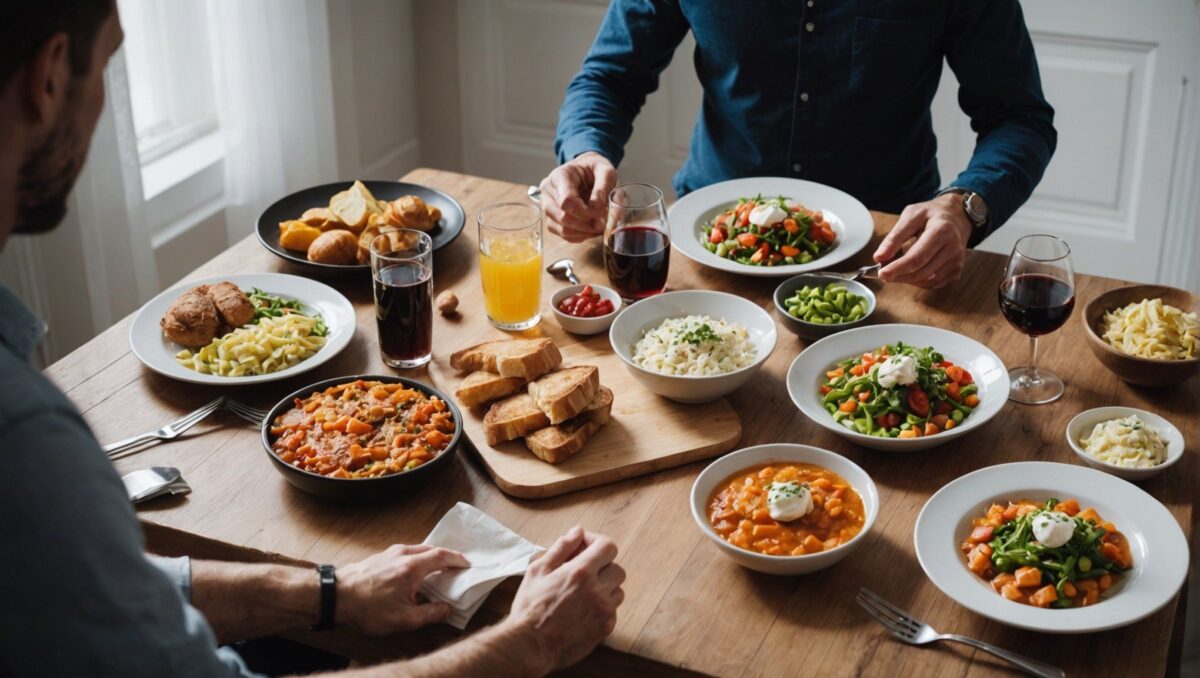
(232,304)
(192,319)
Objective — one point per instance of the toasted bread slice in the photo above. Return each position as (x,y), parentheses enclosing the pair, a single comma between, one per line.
(555,444)
(526,358)
(564,393)
(483,387)
(511,418)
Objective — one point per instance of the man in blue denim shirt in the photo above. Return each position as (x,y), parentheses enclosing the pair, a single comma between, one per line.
(831,91)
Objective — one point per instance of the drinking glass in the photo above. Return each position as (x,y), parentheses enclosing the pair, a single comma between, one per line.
(1036,297)
(637,241)
(510,264)
(402,280)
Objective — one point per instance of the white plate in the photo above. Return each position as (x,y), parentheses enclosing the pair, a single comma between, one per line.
(1082,424)
(1160,550)
(636,319)
(158,353)
(849,218)
(807,373)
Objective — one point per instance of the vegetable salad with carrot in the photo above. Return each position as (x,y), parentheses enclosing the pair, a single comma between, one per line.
(782,232)
(1004,549)
(899,391)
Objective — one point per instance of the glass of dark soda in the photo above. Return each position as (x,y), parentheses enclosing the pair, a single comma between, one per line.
(402,280)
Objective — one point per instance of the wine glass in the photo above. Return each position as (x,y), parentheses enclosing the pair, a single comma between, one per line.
(1036,297)
(637,241)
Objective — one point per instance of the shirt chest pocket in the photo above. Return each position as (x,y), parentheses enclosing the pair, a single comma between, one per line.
(890,57)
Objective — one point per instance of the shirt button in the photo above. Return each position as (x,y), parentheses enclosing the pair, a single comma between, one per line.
(809,27)
(810,3)
(796,167)
(804,96)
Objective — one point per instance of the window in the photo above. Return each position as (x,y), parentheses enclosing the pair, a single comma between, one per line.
(169,64)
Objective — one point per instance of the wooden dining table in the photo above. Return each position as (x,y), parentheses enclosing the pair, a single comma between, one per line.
(688,607)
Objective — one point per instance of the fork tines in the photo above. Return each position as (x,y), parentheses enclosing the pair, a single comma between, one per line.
(899,622)
(251,414)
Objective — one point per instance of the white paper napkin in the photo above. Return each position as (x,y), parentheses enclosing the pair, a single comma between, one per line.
(494,551)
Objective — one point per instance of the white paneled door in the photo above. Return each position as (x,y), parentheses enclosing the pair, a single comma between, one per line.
(1122,188)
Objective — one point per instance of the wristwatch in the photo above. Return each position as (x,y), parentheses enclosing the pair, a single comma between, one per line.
(328,598)
(973,205)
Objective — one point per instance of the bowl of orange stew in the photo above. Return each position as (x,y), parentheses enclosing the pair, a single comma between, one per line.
(362,438)
(785,509)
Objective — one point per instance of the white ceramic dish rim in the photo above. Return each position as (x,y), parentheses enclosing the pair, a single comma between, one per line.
(1176,445)
(158,353)
(870,497)
(991,406)
(850,220)
(759,359)
(604,292)
(1160,552)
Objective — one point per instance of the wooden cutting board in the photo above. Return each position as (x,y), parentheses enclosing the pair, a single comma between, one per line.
(646,432)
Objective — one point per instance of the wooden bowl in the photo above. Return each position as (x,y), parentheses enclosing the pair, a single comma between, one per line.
(1135,370)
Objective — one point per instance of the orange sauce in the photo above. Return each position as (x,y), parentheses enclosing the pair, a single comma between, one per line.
(739,513)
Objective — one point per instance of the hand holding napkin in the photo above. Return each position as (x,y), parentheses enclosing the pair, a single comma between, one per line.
(494,551)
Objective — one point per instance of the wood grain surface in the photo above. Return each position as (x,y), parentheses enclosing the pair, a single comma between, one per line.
(646,433)
(687,605)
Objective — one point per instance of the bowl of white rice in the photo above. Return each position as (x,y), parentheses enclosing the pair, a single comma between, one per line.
(693,346)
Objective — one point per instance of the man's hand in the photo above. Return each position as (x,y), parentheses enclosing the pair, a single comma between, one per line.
(937,258)
(568,601)
(378,595)
(575,196)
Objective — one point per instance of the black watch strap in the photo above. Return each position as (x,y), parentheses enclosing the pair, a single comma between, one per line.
(328,598)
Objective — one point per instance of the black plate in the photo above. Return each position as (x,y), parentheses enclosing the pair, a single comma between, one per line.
(292,206)
(391,486)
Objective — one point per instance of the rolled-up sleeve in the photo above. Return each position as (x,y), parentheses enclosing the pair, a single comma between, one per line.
(635,43)
(991,53)
(80,596)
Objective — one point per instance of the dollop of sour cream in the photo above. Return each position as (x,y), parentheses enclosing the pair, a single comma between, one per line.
(767,214)
(789,500)
(898,369)
(1053,528)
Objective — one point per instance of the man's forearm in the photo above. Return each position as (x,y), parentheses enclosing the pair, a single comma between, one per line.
(506,649)
(247,600)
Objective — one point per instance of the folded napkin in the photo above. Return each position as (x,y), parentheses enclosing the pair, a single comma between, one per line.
(494,551)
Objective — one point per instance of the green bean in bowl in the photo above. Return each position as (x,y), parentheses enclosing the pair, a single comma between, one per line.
(830,304)
(813,306)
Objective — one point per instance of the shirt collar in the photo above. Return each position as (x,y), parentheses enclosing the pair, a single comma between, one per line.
(20,329)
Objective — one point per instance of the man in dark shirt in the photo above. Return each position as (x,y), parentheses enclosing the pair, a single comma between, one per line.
(831,91)
(78,596)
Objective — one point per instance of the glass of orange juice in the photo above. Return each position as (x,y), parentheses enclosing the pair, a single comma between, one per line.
(510,264)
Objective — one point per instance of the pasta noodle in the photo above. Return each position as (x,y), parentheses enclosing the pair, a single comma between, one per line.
(271,345)
(1152,329)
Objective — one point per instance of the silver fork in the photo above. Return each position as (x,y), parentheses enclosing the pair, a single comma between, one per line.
(168,432)
(916,632)
(251,414)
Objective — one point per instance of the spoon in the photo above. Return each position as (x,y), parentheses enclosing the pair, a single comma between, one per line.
(148,483)
(563,268)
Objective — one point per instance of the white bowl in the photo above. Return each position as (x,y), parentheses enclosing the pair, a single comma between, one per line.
(807,373)
(593,325)
(1082,424)
(735,462)
(648,313)
(1159,547)
(850,220)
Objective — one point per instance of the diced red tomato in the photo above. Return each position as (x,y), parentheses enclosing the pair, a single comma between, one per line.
(943,408)
(918,402)
(952,390)
(717,235)
(747,239)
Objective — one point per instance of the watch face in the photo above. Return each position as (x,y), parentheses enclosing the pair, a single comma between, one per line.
(975,207)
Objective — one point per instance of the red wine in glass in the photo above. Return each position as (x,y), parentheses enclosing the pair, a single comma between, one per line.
(404,313)
(1035,303)
(637,259)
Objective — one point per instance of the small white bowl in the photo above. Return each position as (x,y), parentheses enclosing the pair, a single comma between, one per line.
(648,313)
(578,325)
(735,462)
(1082,424)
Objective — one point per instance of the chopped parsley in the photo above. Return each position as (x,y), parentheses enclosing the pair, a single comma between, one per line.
(700,334)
